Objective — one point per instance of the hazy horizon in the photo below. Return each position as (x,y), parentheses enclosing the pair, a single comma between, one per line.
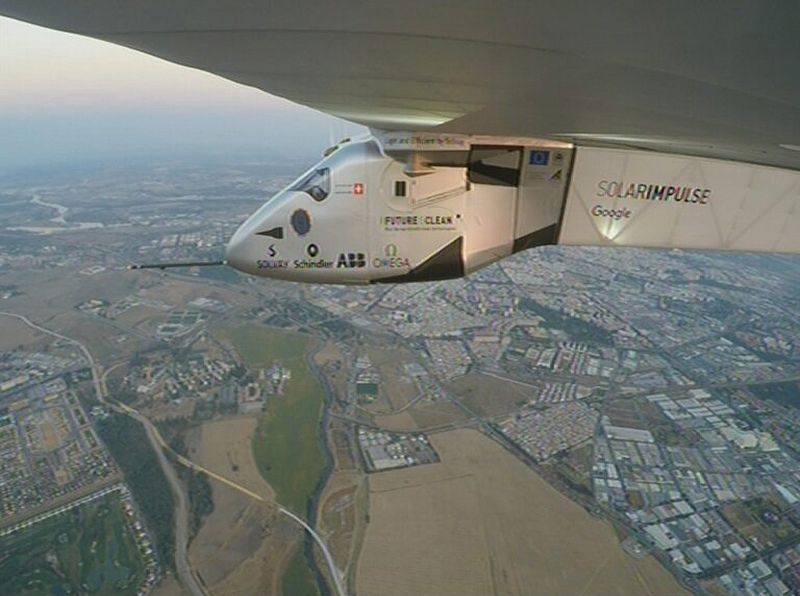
(69,100)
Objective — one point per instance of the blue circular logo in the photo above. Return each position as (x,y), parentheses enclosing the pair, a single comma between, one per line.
(301,222)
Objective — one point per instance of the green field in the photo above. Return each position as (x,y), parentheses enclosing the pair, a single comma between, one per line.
(259,347)
(127,441)
(87,550)
(286,444)
(298,580)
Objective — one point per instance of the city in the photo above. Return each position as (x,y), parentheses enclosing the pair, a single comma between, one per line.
(657,390)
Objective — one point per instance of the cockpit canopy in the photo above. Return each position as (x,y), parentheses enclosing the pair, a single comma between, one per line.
(316,184)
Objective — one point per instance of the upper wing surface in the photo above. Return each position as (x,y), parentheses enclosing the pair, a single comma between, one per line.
(710,79)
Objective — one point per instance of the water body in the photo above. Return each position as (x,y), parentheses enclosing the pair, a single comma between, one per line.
(60,218)
(60,209)
(44,230)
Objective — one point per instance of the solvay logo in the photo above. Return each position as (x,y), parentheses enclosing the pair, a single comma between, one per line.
(351,260)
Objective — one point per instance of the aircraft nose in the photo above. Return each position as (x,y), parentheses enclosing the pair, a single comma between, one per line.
(237,253)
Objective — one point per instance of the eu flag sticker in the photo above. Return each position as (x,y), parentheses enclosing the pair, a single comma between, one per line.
(539,158)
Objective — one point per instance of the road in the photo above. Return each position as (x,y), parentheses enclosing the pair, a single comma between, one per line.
(337,577)
(182,565)
(163,446)
(183,568)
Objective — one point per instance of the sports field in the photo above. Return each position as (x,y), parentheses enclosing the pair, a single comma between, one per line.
(87,550)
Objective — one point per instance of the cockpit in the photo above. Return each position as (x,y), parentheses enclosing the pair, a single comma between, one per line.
(316,184)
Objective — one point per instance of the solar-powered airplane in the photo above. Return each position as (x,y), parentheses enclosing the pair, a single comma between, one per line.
(498,126)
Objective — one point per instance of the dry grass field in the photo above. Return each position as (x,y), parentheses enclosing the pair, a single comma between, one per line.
(225,447)
(98,335)
(399,388)
(400,422)
(243,546)
(429,416)
(481,522)
(169,586)
(328,353)
(134,317)
(339,445)
(338,516)
(14,333)
(490,396)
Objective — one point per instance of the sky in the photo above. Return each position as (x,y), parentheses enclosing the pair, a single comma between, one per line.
(67,99)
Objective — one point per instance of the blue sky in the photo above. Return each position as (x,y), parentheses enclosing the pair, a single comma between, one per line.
(68,99)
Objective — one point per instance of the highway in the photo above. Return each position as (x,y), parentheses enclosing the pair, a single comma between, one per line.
(183,567)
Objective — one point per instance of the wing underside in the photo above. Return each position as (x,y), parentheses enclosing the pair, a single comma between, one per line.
(677,77)
(634,198)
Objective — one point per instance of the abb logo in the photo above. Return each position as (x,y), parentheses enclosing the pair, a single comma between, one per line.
(351,260)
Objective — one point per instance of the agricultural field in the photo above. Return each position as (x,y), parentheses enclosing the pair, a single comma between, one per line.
(481,522)
(87,550)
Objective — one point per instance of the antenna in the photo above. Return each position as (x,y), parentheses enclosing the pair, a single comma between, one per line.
(163,266)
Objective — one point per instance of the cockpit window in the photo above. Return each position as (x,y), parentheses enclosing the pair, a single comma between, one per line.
(317,184)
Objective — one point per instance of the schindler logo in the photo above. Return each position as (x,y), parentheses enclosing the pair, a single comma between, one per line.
(351,260)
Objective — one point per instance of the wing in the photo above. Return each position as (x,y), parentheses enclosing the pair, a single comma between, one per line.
(618,197)
(707,79)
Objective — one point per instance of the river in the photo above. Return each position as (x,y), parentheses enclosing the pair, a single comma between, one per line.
(62,211)
(60,218)
(313,501)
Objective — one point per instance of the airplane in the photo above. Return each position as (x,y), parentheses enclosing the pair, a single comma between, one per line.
(496,127)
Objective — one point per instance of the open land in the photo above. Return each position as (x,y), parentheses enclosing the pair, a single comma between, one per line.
(243,546)
(623,347)
(225,447)
(429,416)
(490,396)
(399,422)
(341,516)
(400,390)
(480,522)
(14,333)
(236,549)
(90,548)
(286,445)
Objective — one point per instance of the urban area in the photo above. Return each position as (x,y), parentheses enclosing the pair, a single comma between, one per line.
(168,431)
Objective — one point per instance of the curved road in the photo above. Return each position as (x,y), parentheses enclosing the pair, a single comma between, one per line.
(182,566)
(159,445)
(335,574)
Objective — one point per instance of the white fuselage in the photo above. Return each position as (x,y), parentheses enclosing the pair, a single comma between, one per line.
(365,214)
